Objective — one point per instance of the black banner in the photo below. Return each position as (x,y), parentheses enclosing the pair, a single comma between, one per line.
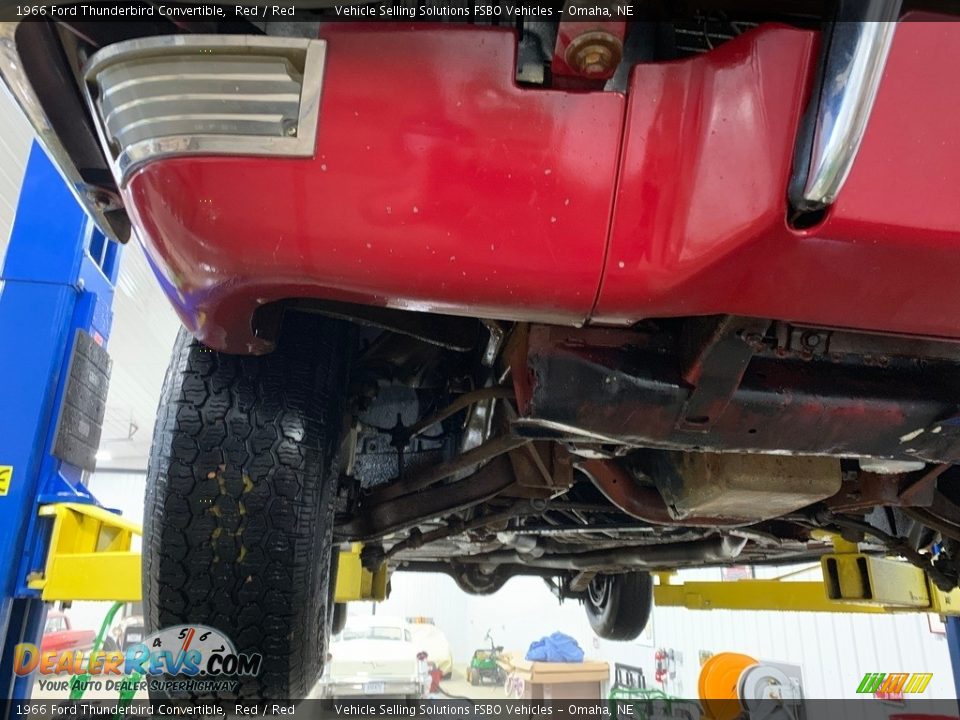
(311,10)
(502,12)
(366,707)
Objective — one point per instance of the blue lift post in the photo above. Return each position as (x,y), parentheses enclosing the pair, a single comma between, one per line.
(953,643)
(58,278)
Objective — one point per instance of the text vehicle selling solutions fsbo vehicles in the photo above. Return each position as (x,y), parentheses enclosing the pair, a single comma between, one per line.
(576,300)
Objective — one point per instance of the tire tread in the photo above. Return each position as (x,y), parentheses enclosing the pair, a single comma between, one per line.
(239,505)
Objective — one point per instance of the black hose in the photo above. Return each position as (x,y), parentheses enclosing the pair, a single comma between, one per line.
(451,697)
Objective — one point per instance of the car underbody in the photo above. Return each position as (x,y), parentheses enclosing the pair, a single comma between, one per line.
(575,321)
(688,442)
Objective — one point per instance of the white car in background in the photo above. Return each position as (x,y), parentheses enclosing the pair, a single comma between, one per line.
(375,655)
(431,640)
(129,629)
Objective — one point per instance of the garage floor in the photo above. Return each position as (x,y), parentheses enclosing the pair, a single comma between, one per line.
(458,686)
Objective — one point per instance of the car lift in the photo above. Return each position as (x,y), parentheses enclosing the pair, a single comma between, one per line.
(58,544)
(55,314)
(852,582)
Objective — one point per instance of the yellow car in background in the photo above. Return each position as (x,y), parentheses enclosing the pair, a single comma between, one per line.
(431,640)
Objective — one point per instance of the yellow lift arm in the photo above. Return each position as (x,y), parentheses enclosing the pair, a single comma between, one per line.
(91,557)
(852,582)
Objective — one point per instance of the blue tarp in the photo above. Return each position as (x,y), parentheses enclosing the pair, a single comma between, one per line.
(555,648)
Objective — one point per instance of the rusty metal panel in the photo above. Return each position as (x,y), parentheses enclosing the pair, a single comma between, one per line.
(731,485)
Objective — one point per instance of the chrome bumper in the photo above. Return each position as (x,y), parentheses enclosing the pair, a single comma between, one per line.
(93,199)
(355,687)
(853,59)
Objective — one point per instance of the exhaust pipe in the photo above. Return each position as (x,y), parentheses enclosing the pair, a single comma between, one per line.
(713,550)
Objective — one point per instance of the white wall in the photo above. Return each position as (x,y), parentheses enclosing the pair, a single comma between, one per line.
(15,139)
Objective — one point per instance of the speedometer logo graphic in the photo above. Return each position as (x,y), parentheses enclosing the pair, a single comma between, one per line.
(185,638)
(192,650)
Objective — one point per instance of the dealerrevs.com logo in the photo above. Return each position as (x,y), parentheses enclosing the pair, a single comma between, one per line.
(199,657)
(894,684)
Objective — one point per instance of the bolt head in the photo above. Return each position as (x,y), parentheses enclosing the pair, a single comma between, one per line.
(594,54)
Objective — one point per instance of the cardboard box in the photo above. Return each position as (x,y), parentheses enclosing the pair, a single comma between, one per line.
(561,673)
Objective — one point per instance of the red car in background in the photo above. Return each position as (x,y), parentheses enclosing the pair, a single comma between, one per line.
(59,635)
(563,296)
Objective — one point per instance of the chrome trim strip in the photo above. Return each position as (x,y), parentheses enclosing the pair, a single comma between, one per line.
(15,81)
(309,54)
(852,70)
(120,86)
(186,97)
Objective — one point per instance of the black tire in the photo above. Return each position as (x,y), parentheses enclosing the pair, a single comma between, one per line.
(474,582)
(240,500)
(339,618)
(618,606)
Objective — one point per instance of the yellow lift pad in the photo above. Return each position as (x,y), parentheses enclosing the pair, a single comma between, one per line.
(90,556)
(354,582)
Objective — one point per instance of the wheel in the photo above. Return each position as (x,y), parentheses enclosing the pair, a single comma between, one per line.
(339,618)
(618,606)
(514,687)
(473,677)
(239,504)
(476,582)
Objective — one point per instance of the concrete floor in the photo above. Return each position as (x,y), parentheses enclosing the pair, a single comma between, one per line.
(457,686)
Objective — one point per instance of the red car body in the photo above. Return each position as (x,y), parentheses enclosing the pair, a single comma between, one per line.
(456,191)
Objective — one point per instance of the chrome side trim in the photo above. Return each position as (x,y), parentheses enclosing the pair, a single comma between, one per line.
(852,68)
(14,80)
(257,136)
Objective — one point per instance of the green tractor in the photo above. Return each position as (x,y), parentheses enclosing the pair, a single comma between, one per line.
(485,665)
